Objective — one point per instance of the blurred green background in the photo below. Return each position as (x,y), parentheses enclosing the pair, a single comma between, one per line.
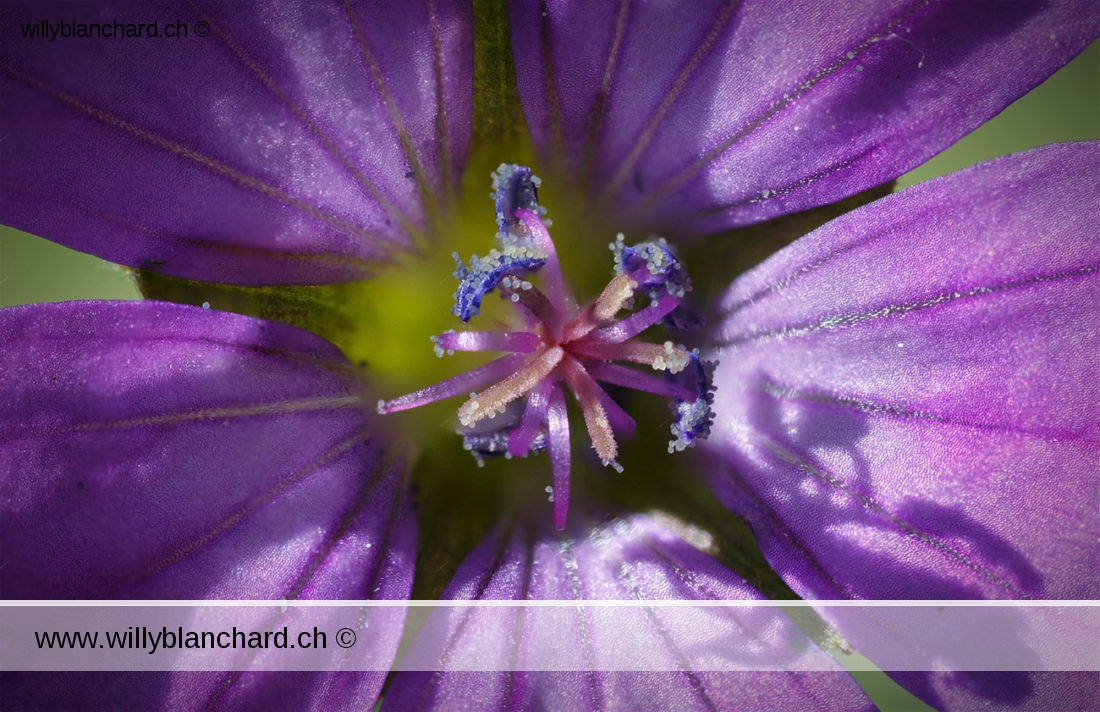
(1065,108)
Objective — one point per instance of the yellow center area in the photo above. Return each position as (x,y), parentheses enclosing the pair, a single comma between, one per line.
(383,325)
(392,316)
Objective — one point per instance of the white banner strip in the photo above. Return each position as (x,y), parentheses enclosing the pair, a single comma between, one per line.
(713,636)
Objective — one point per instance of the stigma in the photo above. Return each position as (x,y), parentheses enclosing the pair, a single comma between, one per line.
(516,404)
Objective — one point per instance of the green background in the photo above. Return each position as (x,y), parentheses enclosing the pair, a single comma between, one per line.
(1065,108)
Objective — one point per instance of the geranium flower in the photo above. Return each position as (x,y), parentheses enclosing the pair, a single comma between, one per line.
(905,401)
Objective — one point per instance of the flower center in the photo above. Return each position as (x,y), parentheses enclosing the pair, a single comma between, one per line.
(521,407)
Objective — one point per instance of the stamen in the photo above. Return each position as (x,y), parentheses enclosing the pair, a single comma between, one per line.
(492,400)
(484,273)
(557,420)
(561,342)
(532,300)
(515,341)
(618,375)
(622,425)
(595,417)
(664,357)
(498,442)
(462,383)
(694,417)
(652,265)
(552,280)
(521,439)
(615,296)
(637,322)
(514,188)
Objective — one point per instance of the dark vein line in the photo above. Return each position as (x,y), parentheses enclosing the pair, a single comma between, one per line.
(783,282)
(367,494)
(549,77)
(445,160)
(382,473)
(332,364)
(217,167)
(626,580)
(626,167)
(304,405)
(326,141)
(399,502)
(671,184)
(426,194)
(482,585)
(187,550)
(600,106)
(332,538)
(785,392)
(781,190)
(841,321)
(364,266)
(824,475)
(572,567)
(519,620)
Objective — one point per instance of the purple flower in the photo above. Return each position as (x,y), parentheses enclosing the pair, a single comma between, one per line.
(904,405)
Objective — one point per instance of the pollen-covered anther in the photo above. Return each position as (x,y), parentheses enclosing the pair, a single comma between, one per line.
(660,357)
(616,296)
(493,399)
(653,265)
(694,416)
(599,429)
(673,360)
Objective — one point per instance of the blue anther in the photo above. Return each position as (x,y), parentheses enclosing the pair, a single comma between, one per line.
(485,273)
(654,266)
(514,187)
(694,417)
(494,443)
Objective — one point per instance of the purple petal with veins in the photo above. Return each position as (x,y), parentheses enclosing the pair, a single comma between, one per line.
(911,390)
(297,143)
(168,452)
(628,558)
(690,122)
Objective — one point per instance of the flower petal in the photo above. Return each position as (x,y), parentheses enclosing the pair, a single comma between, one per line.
(1030,692)
(906,401)
(692,119)
(633,557)
(168,452)
(270,143)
